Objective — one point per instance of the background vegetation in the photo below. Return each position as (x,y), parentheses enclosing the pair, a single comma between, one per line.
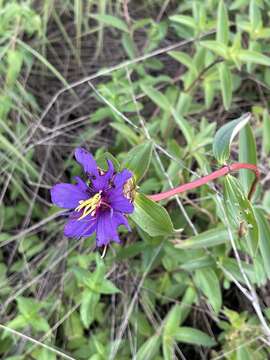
(160,76)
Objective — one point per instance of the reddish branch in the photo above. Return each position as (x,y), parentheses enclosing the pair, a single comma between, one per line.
(227,169)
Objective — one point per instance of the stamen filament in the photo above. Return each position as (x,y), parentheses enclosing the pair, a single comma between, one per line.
(89,206)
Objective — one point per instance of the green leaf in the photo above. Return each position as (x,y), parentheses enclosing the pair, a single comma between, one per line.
(225,78)
(247,154)
(110,20)
(157,97)
(216,47)
(222,24)
(266,132)
(151,217)
(225,136)
(107,287)
(172,321)
(184,59)
(184,20)
(88,306)
(149,349)
(139,159)
(207,280)
(189,335)
(255,16)
(206,239)
(15,61)
(264,238)
(27,306)
(250,56)
(129,46)
(128,134)
(239,209)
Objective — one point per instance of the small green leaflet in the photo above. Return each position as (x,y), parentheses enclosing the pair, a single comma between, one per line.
(225,136)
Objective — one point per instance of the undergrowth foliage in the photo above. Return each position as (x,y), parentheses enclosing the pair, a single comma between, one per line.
(179,99)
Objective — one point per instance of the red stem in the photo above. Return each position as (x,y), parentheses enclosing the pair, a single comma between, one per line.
(205,179)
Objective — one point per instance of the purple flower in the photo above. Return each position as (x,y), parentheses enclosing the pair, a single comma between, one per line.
(100,205)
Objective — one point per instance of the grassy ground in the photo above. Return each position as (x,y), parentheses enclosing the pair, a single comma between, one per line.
(130,77)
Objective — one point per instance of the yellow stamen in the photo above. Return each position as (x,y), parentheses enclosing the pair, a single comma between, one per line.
(89,205)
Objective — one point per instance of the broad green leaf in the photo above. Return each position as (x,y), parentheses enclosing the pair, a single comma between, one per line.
(189,335)
(127,134)
(184,59)
(172,321)
(225,136)
(39,324)
(250,56)
(206,239)
(15,61)
(110,20)
(150,348)
(216,47)
(255,16)
(244,353)
(264,238)
(107,287)
(139,159)
(157,97)
(128,45)
(87,308)
(151,217)
(225,78)
(266,132)
(207,280)
(247,154)
(185,307)
(27,306)
(222,23)
(167,348)
(184,20)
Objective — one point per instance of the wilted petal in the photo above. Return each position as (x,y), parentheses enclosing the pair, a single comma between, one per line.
(67,196)
(80,228)
(87,161)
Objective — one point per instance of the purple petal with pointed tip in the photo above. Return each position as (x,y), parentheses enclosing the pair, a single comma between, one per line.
(87,161)
(80,228)
(67,196)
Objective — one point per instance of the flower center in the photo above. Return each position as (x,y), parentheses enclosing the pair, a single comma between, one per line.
(89,206)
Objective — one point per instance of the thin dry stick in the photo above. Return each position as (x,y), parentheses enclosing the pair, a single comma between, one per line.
(123,326)
(28,338)
(113,68)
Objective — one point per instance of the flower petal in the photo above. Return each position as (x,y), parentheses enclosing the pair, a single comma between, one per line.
(80,228)
(87,161)
(119,202)
(121,219)
(121,178)
(107,225)
(82,185)
(101,182)
(67,196)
